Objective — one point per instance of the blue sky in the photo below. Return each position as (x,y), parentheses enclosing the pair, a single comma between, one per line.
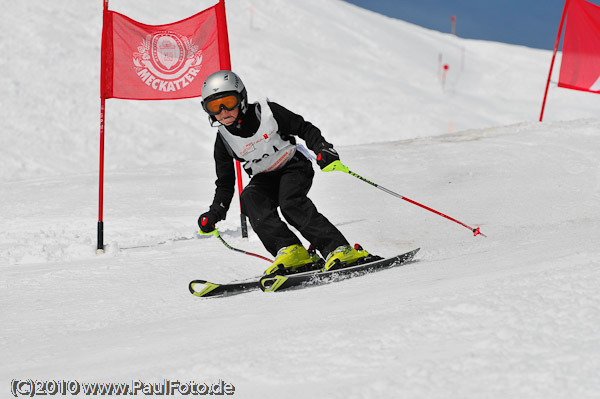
(532,23)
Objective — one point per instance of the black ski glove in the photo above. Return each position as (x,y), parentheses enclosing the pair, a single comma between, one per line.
(207,221)
(326,155)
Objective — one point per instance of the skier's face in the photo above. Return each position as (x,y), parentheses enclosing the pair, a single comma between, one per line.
(228,117)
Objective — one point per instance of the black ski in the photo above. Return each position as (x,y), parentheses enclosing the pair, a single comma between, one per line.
(203,288)
(279,283)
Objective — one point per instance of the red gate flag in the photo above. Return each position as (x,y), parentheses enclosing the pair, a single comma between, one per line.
(580,66)
(162,62)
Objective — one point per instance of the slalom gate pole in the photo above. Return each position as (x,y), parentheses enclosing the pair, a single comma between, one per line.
(100,231)
(560,29)
(338,166)
(215,233)
(225,63)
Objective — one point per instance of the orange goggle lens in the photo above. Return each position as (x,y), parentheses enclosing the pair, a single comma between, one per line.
(214,107)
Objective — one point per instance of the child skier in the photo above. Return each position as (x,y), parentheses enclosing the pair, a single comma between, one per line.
(262,136)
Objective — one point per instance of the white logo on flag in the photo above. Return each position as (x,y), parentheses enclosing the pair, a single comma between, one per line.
(167,61)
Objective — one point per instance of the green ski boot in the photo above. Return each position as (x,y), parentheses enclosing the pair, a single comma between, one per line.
(289,259)
(344,256)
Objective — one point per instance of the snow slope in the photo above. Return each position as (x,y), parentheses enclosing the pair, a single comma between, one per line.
(513,315)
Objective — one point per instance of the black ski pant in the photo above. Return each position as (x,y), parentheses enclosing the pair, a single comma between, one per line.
(287,188)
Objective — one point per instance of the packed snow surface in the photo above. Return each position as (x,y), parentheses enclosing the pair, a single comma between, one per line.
(515,314)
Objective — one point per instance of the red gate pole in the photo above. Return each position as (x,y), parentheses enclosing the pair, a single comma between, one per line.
(226,65)
(100,246)
(560,28)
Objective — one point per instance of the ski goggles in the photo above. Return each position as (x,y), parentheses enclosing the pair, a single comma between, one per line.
(228,102)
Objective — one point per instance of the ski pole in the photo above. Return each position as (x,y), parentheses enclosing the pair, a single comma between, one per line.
(215,233)
(337,165)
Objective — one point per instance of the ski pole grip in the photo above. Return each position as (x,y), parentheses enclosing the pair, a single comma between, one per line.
(336,165)
(215,233)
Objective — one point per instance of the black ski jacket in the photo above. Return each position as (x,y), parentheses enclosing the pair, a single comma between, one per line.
(290,125)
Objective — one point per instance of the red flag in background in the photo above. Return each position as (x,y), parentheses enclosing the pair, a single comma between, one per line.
(580,66)
(162,62)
